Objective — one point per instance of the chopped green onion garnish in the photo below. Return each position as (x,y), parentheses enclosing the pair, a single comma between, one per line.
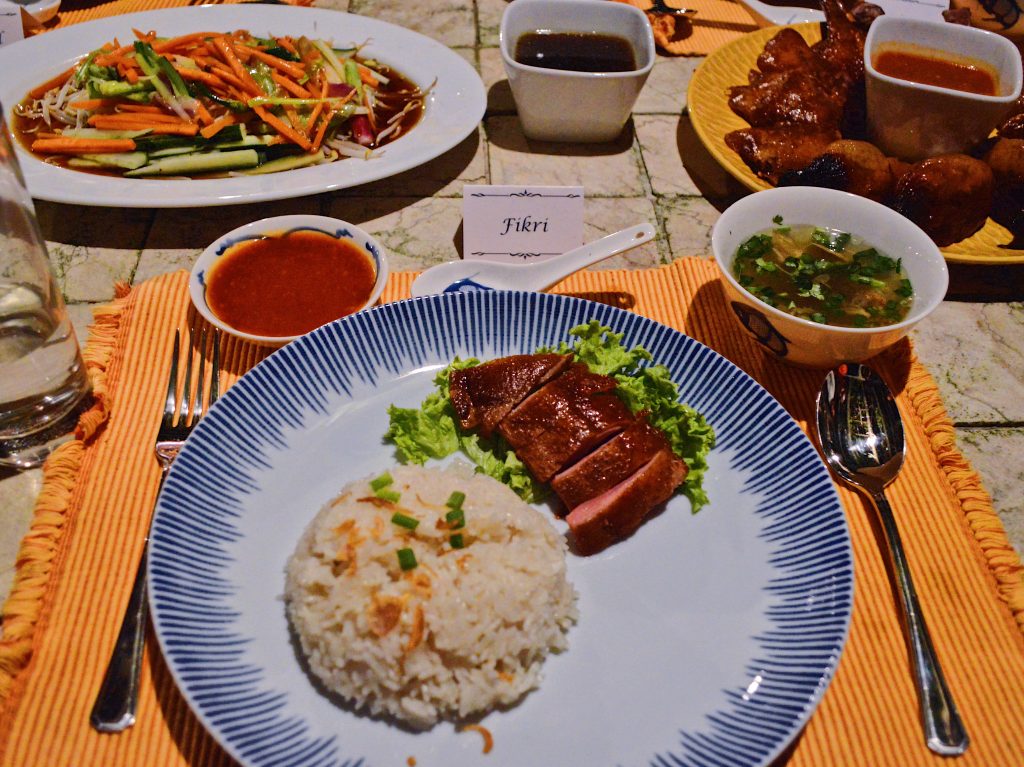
(456,541)
(402,520)
(455,500)
(382,481)
(406,559)
(455,518)
(388,495)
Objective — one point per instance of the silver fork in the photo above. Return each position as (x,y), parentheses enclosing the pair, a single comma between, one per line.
(116,702)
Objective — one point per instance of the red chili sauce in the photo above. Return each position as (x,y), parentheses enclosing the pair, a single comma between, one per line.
(929,68)
(288,285)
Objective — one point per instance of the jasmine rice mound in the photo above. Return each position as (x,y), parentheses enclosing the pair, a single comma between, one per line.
(462,629)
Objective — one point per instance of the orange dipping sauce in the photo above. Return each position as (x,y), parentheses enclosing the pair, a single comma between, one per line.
(287,285)
(930,68)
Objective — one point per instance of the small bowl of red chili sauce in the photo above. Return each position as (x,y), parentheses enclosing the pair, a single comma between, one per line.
(278,278)
(936,88)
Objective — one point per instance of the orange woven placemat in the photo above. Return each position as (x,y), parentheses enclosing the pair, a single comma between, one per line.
(76,565)
(717,21)
(77,11)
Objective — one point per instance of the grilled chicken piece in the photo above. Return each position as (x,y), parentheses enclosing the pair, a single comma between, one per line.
(792,96)
(485,394)
(842,47)
(564,420)
(787,50)
(851,166)
(948,196)
(771,152)
(617,512)
(1013,126)
(613,462)
(1006,159)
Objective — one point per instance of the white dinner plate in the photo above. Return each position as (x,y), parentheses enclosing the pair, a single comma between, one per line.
(453,109)
(702,639)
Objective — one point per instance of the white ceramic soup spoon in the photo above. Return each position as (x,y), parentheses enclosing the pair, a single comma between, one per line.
(459,276)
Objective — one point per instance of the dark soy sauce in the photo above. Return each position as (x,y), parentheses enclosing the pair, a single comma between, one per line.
(576,51)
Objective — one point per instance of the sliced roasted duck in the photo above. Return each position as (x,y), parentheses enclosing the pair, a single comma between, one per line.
(485,394)
(570,428)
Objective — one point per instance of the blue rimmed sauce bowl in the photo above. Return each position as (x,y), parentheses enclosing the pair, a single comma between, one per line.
(273,280)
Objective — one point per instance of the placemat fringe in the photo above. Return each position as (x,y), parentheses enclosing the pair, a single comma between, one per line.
(1003,561)
(23,607)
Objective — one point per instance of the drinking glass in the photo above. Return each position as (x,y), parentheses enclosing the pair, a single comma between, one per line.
(43,384)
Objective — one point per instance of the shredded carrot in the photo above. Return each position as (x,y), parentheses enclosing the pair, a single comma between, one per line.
(174,43)
(111,57)
(132,76)
(293,117)
(207,78)
(314,114)
(214,128)
(145,109)
(121,122)
(285,130)
(488,738)
(367,77)
(288,45)
(54,82)
(90,104)
(185,129)
(322,129)
(289,68)
(203,113)
(228,54)
(293,88)
(71,145)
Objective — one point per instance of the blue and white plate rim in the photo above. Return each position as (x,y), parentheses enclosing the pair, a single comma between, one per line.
(802,516)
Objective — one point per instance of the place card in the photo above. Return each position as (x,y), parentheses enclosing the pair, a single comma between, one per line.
(520,224)
(11,30)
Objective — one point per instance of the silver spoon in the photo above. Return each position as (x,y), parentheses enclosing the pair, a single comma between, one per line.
(456,276)
(861,436)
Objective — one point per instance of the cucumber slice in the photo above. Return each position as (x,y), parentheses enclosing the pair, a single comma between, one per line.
(172,151)
(98,133)
(200,162)
(126,160)
(286,163)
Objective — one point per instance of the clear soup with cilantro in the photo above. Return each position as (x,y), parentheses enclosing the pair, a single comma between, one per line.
(823,275)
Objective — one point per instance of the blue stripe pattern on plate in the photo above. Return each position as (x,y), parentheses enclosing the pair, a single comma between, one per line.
(198,516)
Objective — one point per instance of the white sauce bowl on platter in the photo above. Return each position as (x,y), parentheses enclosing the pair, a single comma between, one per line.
(811,344)
(913,120)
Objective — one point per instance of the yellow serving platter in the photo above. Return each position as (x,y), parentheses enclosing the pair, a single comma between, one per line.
(712,119)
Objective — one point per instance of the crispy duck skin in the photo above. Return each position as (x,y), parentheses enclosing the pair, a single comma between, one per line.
(772,152)
(613,462)
(564,420)
(485,394)
(614,514)
(948,196)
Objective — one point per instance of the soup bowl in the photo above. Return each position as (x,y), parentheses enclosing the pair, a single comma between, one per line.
(273,286)
(811,344)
